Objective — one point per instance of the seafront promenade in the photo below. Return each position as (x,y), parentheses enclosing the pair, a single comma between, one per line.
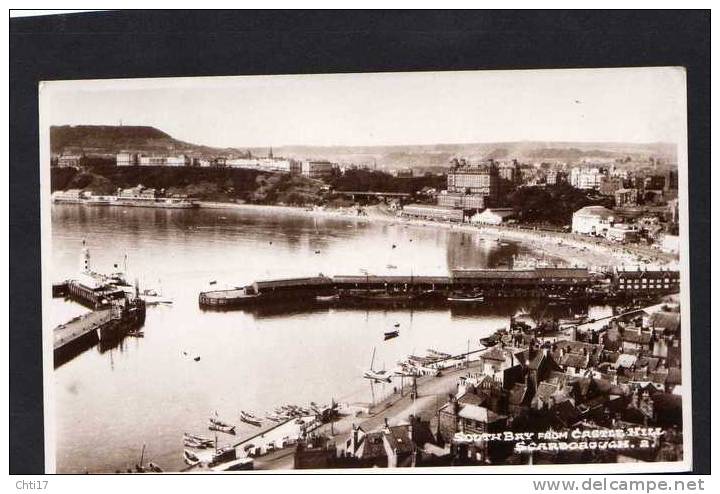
(432,392)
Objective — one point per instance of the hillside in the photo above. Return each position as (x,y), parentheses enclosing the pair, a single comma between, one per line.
(110,139)
(225,185)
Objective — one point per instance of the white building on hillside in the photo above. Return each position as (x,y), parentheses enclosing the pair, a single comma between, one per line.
(493,216)
(592,220)
(586,178)
(317,169)
(163,160)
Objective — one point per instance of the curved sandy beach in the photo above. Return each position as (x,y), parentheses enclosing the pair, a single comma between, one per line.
(571,249)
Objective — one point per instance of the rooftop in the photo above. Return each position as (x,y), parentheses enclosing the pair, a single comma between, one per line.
(596,211)
(479,414)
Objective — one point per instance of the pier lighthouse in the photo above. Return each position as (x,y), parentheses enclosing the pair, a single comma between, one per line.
(84,258)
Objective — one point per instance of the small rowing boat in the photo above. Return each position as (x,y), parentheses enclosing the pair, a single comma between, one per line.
(327,298)
(218,425)
(391,334)
(193,441)
(190,458)
(227,429)
(465,297)
(276,417)
(249,418)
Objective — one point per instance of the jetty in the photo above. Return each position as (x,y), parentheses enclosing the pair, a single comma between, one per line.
(107,324)
(115,311)
(555,284)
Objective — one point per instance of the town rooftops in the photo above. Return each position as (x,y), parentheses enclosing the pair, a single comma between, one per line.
(479,414)
(517,394)
(371,445)
(637,337)
(579,347)
(398,437)
(566,413)
(494,353)
(546,390)
(575,360)
(627,272)
(669,321)
(471,399)
(403,438)
(674,376)
(625,360)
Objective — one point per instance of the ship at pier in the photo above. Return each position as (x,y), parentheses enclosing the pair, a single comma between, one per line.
(139,196)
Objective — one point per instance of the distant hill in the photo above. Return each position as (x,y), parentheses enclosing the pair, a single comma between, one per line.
(108,140)
(111,139)
(438,155)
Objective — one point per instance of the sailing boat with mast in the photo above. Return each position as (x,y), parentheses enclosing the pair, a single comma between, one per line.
(379,375)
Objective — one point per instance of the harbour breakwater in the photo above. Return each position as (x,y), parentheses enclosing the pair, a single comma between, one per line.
(468,285)
(107,326)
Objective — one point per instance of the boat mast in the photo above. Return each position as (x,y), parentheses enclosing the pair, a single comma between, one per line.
(142,455)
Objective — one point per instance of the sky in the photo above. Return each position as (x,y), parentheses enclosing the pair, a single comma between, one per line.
(590,105)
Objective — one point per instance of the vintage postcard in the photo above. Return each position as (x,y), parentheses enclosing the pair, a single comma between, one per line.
(460,271)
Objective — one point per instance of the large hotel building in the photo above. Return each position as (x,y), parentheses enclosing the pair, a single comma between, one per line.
(471,187)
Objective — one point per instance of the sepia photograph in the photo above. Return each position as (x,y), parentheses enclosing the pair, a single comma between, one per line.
(469,271)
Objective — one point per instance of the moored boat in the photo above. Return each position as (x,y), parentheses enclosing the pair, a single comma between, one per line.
(275,417)
(556,299)
(249,418)
(391,334)
(327,298)
(465,297)
(436,354)
(191,440)
(381,296)
(227,429)
(190,458)
(221,426)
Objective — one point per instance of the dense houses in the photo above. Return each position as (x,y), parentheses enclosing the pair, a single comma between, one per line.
(645,210)
(619,379)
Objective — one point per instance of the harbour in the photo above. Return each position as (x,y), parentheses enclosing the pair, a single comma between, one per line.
(260,342)
(422,270)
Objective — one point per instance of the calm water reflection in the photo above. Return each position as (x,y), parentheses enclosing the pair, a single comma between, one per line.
(111,401)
